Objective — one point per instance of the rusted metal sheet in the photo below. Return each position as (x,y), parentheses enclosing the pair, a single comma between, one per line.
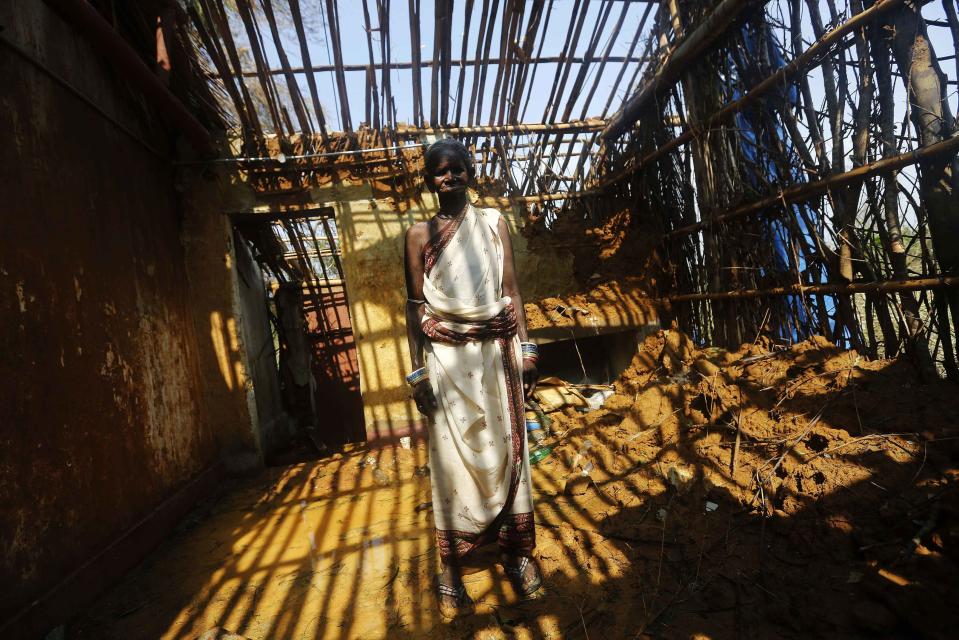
(102,415)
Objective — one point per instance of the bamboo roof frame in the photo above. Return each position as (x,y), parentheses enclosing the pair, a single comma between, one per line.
(512,59)
(575,158)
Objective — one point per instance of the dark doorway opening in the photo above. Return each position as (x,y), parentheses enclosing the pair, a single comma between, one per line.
(316,352)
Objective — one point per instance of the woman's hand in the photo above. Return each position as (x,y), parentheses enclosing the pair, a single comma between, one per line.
(530,376)
(424,398)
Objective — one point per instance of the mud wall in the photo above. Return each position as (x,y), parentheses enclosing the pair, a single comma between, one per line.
(101,416)
(371,235)
(228,304)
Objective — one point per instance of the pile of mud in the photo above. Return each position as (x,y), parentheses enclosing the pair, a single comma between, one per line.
(767,492)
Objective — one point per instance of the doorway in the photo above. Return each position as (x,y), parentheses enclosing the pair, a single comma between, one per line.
(300,253)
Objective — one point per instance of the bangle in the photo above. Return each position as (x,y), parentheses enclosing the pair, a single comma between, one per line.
(530,350)
(417,376)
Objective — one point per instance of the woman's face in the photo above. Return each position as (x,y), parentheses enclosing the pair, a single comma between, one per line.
(448,175)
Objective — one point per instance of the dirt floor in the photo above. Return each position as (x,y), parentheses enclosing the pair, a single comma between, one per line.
(801,492)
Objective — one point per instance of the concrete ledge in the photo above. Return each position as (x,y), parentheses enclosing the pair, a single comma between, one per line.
(86,583)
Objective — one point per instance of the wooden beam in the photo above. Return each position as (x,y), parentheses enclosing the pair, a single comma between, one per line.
(574,126)
(280,213)
(472,62)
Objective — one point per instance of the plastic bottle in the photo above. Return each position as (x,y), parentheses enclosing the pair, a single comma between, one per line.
(534,429)
(539,453)
(582,456)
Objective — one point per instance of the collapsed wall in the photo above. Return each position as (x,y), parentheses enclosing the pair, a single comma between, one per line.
(745,488)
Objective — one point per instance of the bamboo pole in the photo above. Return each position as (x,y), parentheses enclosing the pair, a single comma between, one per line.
(383,18)
(333,25)
(311,69)
(801,63)
(299,106)
(711,28)
(606,57)
(573,126)
(529,70)
(479,76)
(509,23)
(913,284)
(305,55)
(526,51)
(221,28)
(371,75)
(446,56)
(414,17)
(578,82)
(577,18)
(218,56)
(815,188)
(461,77)
(267,84)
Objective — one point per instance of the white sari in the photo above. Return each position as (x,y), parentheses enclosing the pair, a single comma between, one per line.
(478,458)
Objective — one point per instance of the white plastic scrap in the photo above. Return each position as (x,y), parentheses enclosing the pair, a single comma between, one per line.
(599,398)
(711,506)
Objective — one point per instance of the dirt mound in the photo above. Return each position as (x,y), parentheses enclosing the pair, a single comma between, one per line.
(767,492)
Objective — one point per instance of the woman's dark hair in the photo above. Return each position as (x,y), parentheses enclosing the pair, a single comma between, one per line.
(448,147)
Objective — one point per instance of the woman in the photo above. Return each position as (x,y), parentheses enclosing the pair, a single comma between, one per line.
(472,365)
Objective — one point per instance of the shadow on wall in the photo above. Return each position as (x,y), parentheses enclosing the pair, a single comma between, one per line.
(336,370)
(323,551)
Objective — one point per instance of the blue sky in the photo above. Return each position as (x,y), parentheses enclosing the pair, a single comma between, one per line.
(354,42)
(355,51)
